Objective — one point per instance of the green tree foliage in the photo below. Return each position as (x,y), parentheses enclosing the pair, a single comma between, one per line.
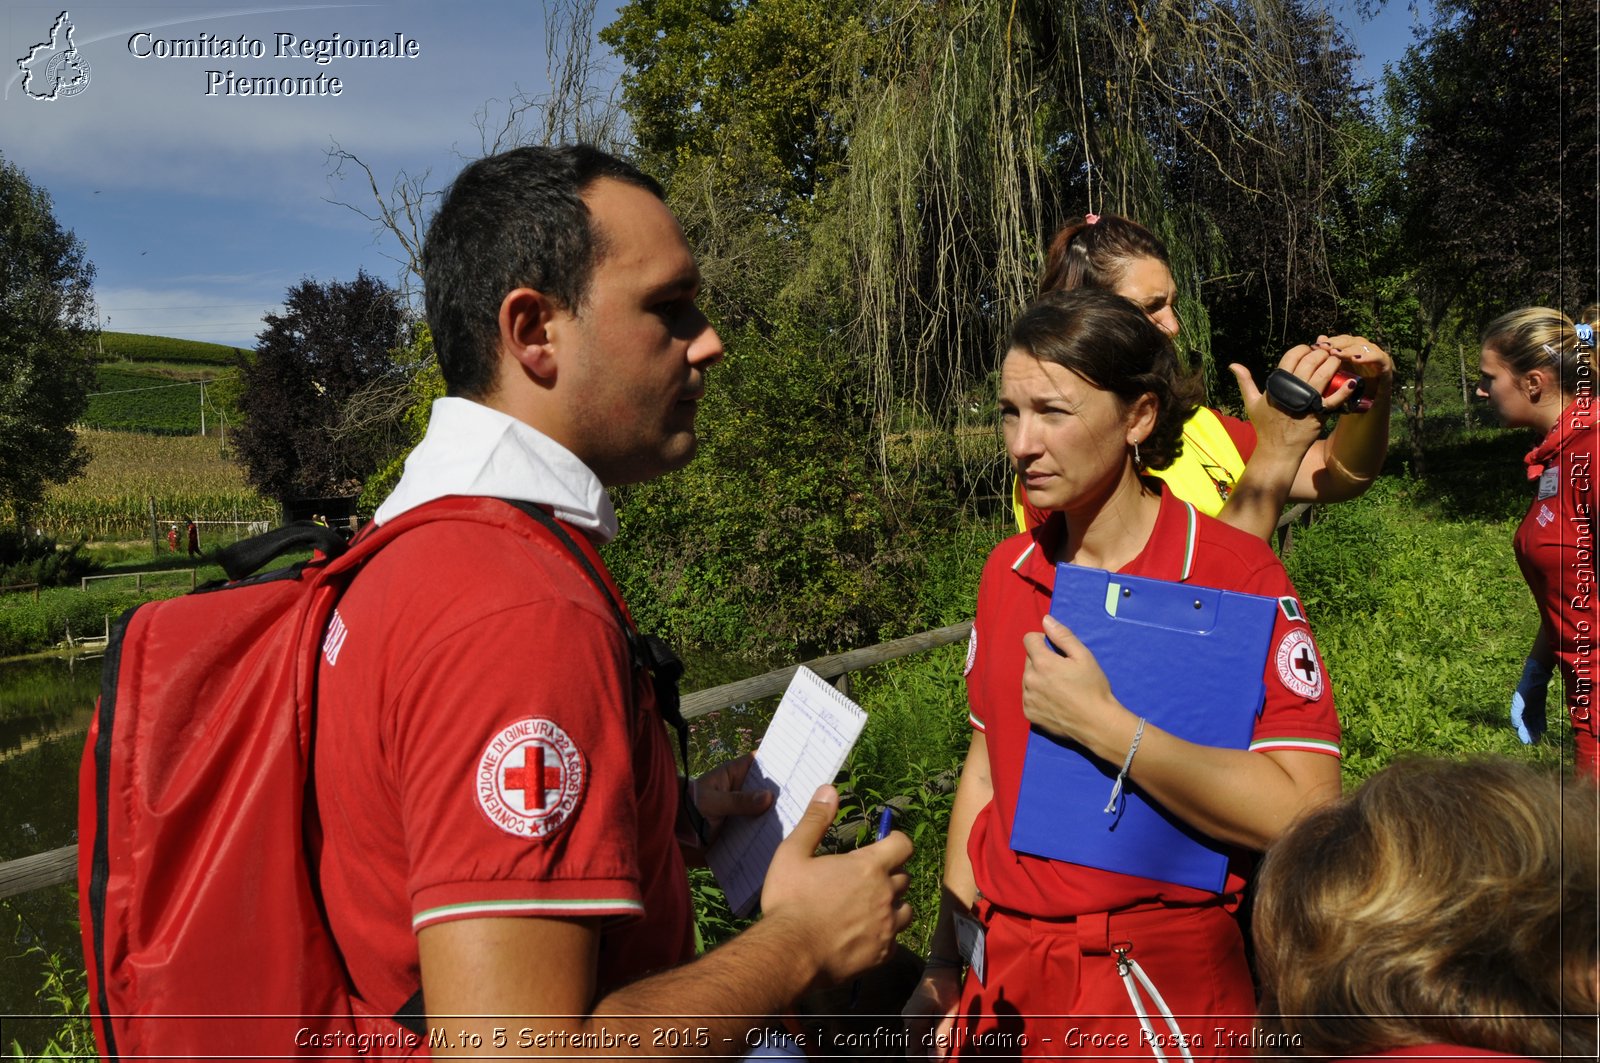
(1501,163)
(331,345)
(747,84)
(47,328)
(1473,185)
(915,159)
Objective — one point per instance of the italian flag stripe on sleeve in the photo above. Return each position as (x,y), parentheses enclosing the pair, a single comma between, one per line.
(1309,745)
(526,907)
(1291,608)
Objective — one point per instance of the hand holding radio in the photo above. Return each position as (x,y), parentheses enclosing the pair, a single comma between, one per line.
(1365,368)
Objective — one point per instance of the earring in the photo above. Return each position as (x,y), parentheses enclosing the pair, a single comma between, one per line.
(1137,463)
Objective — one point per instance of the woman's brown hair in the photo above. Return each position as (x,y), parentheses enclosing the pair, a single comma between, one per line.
(1096,253)
(1109,342)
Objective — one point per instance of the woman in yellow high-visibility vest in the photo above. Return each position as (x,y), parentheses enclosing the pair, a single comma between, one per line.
(1239,471)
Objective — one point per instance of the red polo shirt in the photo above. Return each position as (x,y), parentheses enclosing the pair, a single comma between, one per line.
(1555,547)
(1013,597)
(480,754)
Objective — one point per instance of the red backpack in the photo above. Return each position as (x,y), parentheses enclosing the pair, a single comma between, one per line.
(203,930)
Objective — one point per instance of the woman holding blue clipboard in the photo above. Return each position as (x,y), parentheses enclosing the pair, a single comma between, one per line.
(1064,958)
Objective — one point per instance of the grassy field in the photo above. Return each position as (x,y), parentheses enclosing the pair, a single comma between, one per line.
(180,476)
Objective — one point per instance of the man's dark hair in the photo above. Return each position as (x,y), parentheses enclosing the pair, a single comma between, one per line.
(1109,341)
(508,221)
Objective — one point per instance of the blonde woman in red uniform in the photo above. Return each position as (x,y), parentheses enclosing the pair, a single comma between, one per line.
(1239,471)
(1538,371)
(1091,397)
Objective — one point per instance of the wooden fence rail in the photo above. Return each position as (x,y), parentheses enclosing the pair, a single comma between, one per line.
(59,866)
(138,577)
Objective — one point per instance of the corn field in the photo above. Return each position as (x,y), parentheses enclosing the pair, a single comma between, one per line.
(185,477)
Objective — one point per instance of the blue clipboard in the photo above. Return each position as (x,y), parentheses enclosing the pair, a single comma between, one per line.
(1190,659)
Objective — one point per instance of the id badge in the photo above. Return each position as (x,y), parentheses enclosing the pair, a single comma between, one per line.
(970,943)
(1550,482)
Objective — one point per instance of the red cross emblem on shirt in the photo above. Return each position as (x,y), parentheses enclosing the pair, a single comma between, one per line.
(534,778)
(1306,663)
(1297,663)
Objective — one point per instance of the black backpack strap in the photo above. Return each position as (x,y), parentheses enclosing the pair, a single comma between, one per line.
(648,652)
(248,555)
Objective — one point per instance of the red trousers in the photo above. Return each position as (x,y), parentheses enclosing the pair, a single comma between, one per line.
(1053,988)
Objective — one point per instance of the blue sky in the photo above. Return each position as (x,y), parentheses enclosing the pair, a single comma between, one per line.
(199,211)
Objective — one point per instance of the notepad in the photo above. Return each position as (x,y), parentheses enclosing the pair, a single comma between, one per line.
(806,744)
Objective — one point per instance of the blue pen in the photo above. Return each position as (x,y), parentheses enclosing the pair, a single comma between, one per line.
(885,825)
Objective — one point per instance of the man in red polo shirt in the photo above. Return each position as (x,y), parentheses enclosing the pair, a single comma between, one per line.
(496,792)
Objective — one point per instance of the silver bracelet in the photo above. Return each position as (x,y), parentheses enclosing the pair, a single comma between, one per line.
(1116,788)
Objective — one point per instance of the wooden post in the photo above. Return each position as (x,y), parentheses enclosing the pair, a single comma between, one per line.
(155,530)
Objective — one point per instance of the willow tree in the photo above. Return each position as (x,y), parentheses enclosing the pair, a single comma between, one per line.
(974,129)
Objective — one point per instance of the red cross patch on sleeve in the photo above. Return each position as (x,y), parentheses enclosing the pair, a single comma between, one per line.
(530,778)
(1298,666)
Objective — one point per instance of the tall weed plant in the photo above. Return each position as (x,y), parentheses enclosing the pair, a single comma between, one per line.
(63,1002)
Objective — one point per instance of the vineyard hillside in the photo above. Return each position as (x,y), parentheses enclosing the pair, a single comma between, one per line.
(163,399)
(132,347)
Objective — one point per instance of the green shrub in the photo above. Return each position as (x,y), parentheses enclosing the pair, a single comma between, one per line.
(784,535)
(26,558)
(27,626)
(63,1003)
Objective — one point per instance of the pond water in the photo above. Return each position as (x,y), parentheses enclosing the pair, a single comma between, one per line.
(45,704)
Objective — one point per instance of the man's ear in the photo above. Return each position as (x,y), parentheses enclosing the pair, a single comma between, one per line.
(526,320)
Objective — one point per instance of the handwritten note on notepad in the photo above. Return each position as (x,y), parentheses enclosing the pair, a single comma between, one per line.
(806,744)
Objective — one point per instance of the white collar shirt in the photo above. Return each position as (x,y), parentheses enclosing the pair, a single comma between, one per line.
(470,449)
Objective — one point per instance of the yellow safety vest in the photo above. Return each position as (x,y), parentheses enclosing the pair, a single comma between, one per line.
(1203,475)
